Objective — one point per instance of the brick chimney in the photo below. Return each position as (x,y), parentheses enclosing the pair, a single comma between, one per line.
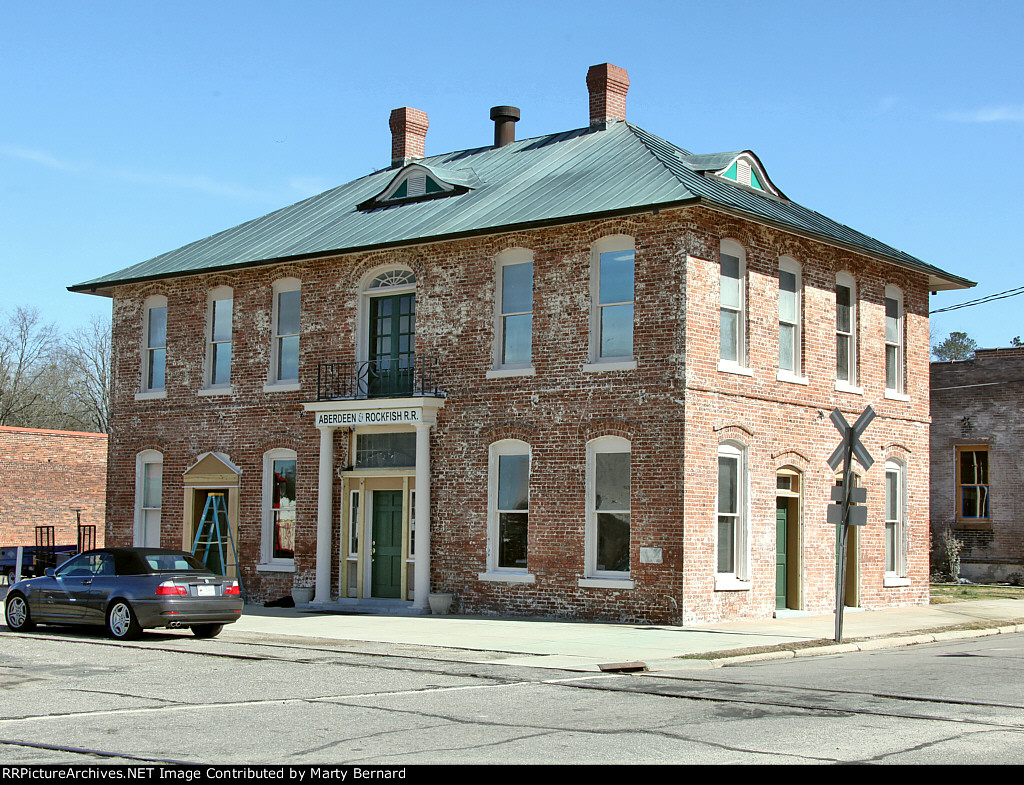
(608,85)
(408,135)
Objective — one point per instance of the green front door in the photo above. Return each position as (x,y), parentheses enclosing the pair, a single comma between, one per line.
(392,345)
(781,546)
(386,558)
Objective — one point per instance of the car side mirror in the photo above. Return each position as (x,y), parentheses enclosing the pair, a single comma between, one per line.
(50,571)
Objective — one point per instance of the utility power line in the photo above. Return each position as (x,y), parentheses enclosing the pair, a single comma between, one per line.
(982,300)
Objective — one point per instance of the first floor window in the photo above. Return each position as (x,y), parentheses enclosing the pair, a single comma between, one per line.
(972,483)
(609,506)
(731,512)
(510,505)
(279,516)
(894,518)
(149,495)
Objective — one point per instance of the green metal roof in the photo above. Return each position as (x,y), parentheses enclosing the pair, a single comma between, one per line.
(557,178)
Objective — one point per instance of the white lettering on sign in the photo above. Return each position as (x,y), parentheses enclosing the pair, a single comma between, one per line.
(369,417)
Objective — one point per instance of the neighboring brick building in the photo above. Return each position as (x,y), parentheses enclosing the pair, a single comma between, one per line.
(583,375)
(977,444)
(44,475)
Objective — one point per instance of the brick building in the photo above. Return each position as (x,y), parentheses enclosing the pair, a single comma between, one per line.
(45,474)
(584,375)
(977,440)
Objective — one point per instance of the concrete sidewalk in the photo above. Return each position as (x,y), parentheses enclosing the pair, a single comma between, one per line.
(587,646)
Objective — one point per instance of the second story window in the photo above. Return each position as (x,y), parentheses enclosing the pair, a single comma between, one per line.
(219,350)
(285,351)
(612,294)
(155,352)
(789,316)
(893,339)
(846,330)
(514,323)
(732,326)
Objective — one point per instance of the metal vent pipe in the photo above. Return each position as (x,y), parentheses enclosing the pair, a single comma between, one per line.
(505,119)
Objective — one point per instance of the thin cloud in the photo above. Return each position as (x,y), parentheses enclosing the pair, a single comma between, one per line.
(200,183)
(991,114)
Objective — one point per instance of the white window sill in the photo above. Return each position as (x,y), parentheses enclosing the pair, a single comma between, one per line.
(150,395)
(606,583)
(617,365)
(725,582)
(846,387)
(275,567)
(507,577)
(892,395)
(228,390)
(276,387)
(894,580)
(728,366)
(503,373)
(792,378)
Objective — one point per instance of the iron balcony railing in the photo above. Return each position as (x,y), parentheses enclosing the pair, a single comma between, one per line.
(389,377)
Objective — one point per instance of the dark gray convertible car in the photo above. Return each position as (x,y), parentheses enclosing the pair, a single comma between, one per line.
(128,590)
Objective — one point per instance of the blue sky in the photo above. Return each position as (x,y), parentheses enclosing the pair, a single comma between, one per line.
(132,128)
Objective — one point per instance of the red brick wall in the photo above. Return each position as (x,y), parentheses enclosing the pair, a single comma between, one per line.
(978,403)
(675,408)
(45,473)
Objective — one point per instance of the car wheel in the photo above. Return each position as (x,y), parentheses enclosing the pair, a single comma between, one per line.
(19,618)
(121,622)
(207,630)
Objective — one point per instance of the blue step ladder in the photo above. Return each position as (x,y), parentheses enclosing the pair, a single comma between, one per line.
(213,535)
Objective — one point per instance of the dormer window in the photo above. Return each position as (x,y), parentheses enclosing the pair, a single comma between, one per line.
(744,171)
(419,182)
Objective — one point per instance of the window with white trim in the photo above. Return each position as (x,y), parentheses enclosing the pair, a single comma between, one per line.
(513,327)
(790,290)
(732,534)
(218,331)
(895,519)
(612,299)
(284,354)
(154,354)
(846,330)
(732,311)
(279,506)
(609,494)
(893,339)
(509,506)
(149,469)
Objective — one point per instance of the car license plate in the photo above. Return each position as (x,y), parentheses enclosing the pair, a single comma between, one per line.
(206,591)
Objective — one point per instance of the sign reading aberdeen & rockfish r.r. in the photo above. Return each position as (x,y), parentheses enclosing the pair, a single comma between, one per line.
(369,417)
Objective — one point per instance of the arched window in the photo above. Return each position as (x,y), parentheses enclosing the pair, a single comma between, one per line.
(846,331)
(513,310)
(732,305)
(149,471)
(611,302)
(790,316)
(893,339)
(508,492)
(609,504)
(219,319)
(154,344)
(284,350)
(895,520)
(731,543)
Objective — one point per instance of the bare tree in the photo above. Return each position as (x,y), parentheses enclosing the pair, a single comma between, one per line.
(87,359)
(27,354)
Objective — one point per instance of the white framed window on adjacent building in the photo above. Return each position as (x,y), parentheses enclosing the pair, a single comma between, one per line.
(609,513)
(732,533)
(732,319)
(149,471)
(219,318)
(895,524)
(894,348)
(790,320)
(846,333)
(154,347)
(612,294)
(284,350)
(513,313)
(508,524)
(279,508)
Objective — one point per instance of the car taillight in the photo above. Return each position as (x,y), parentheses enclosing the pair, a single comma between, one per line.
(170,588)
(232,588)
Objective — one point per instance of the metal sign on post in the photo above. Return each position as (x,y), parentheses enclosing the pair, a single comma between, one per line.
(845,514)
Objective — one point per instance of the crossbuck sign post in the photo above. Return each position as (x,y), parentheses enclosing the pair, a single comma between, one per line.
(844,514)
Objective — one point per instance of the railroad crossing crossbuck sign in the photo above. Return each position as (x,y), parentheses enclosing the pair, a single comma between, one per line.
(851,509)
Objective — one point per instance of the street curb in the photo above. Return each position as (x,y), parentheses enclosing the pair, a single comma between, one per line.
(867,644)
